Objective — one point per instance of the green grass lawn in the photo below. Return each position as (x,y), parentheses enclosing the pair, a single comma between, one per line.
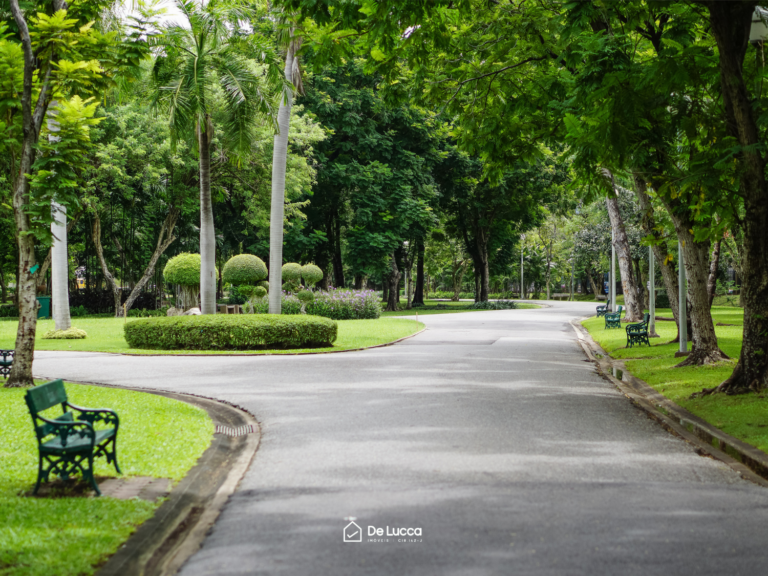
(106,335)
(446,307)
(60,536)
(745,416)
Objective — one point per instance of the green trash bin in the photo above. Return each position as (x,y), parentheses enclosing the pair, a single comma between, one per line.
(45,307)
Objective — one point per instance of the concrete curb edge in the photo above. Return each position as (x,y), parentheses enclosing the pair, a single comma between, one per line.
(161,545)
(749,462)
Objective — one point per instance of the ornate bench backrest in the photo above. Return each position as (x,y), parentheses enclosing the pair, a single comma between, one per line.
(42,397)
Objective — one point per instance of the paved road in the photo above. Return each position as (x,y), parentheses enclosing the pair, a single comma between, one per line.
(489,432)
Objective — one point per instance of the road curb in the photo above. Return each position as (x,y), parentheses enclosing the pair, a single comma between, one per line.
(749,462)
(162,544)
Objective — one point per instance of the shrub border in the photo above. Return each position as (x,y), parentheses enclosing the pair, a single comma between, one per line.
(286,353)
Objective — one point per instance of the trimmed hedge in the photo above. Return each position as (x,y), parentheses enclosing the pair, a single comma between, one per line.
(69,334)
(291,273)
(244,269)
(183,269)
(230,332)
(312,274)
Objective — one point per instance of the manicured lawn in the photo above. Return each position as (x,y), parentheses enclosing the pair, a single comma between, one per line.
(73,535)
(106,335)
(745,416)
(445,307)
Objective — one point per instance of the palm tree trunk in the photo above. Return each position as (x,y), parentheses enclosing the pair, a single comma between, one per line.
(207,232)
(279,159)
(60,268)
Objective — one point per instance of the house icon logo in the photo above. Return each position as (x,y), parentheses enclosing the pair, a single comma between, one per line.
(353,533)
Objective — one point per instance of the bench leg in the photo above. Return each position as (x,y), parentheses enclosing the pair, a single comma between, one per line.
(40,475)
(89,476)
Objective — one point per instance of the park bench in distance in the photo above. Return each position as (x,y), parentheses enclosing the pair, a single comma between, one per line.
(601,310)
(66,445)
(638,333)
(6,362)
(613,319)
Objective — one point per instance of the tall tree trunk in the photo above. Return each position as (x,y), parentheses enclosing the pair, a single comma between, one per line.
(164,239)
(21,371)
(640,284)
(385,289)
(338,264)
(393,281)
(207,232)
(595,289)
(634,311)
(714,263)
(418,295)
(482,271)
(3,288)
(279,161)
(104,268)
(668,271)
(704,348)
(730,23)
(60,268)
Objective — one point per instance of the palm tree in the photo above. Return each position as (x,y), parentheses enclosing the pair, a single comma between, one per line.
(216,53)
(279,162)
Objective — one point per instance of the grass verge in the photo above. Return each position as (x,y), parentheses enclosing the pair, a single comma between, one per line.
(64,536)
(106,335)
(744,417)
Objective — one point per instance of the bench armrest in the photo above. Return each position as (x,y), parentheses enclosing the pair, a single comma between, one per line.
(639,327)
(67,429)
(94,415)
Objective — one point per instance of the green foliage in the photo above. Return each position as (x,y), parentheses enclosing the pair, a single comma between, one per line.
(230,332)
(292,273)
(69,334)
(183,269)
(55,173)
(244,269)
(305,296)
(498,305)
(259,292)
(311,274)
(9,311)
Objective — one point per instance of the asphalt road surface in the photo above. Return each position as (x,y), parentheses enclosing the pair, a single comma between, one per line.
(488,435)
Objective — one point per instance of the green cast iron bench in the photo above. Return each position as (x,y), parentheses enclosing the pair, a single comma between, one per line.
(601,310)
(638,333)
(7,362)
(66,444)
(613,319)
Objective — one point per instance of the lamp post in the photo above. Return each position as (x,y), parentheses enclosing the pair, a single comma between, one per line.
(522,280)
(683,313)
(651,294)
(612,286)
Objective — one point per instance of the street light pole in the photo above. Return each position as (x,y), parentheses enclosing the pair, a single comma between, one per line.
(522,280)
(652,293)
(612,287)
(683,313)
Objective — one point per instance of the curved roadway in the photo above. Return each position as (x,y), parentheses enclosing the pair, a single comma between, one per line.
(489,432)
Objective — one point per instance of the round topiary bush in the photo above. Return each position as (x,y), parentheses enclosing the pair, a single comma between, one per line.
(291,274)
(244,269)
(259,291)
(183,270)
(311,274)
(230,332)
(305,296)
(264,284)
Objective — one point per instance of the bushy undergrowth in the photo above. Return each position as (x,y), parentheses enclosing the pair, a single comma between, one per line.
(9,311)
(69,334)
(337,304)
(442,295)
(499,305)
(230,332)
